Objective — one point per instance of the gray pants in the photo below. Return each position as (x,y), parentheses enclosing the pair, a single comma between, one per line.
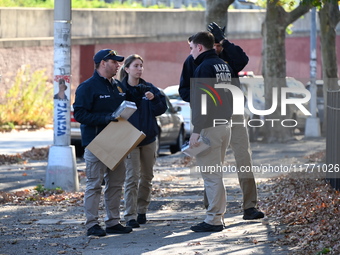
(96,171)
(138,182)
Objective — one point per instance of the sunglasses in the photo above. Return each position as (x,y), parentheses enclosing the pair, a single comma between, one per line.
(111,52)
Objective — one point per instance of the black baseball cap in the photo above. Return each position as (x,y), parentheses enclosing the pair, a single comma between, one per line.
(107,54)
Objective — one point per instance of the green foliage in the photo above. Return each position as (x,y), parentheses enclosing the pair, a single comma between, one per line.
(289,29)
(26,3)
(199,7)
(42,190)
(290,5)
(84,4)
(29,101)
(261,3)
(324,251)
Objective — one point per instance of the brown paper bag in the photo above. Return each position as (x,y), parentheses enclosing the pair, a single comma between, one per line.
(115,141)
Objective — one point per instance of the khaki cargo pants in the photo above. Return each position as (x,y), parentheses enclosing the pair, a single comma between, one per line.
(96,171)
(138,182)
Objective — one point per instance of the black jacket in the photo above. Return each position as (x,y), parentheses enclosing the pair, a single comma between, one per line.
(232,54)
(144,118)
(96,99)
(188,70)
(210,70)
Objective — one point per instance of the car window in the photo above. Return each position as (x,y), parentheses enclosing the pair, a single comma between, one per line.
(172,92)
(170,107)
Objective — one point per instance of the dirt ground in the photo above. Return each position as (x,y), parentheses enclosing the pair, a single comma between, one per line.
(55,224)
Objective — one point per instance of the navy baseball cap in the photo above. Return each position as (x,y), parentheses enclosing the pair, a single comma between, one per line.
(107,54)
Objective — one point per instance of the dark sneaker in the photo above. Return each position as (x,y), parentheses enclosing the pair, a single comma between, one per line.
(118,229)
(132,224)
(96,230)
(141,218)
(252,214)
(205,227)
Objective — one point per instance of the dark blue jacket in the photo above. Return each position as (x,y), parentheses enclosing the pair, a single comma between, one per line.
(144,118)
(210,70)
(232,54)
(96,99)
(184,81)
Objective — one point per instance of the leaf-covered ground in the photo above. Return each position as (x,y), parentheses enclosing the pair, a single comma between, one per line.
(305,210)
(33,154)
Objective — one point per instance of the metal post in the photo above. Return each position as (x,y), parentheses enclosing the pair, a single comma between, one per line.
(61,169)
(312,128)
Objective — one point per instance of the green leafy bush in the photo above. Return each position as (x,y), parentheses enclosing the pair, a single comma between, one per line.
(29,101)
(130,4)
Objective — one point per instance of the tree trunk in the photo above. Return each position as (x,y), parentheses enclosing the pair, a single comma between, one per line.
(274,70)
(274,66)
(217,11)
(329,18)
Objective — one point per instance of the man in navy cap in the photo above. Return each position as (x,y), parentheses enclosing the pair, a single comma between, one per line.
(96,99)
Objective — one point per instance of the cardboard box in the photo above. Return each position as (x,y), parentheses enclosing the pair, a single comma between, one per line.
(116,140)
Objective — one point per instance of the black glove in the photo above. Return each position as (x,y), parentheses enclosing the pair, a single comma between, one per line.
(110,118)
(216,31)
(142,88)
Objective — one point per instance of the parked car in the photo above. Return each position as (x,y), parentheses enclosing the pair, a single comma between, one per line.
(256,82)
(170,124)
(176,100)
(76,136)
(171,128)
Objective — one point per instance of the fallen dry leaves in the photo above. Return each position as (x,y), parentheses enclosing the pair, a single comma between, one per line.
(33,153)
(33,197)
(48,197)
(308,210)
(36,153)
(11,159)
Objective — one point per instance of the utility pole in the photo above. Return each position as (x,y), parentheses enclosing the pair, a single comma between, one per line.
(312,128)
(62,169)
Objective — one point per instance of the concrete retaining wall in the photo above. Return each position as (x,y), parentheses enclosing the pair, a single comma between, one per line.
(29,24)
(159,36)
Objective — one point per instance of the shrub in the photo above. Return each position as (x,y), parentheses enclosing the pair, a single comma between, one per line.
(29,101)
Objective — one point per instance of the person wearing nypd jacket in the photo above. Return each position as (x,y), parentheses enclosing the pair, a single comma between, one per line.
(209,103)
(95,101)
(140,161)
(239,143)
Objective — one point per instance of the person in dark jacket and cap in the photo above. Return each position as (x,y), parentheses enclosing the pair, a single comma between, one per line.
(95,101)
(140,161)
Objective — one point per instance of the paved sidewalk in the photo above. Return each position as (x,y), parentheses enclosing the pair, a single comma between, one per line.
(176,206)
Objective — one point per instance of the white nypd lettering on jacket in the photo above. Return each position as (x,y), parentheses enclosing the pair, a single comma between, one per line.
(223,73)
